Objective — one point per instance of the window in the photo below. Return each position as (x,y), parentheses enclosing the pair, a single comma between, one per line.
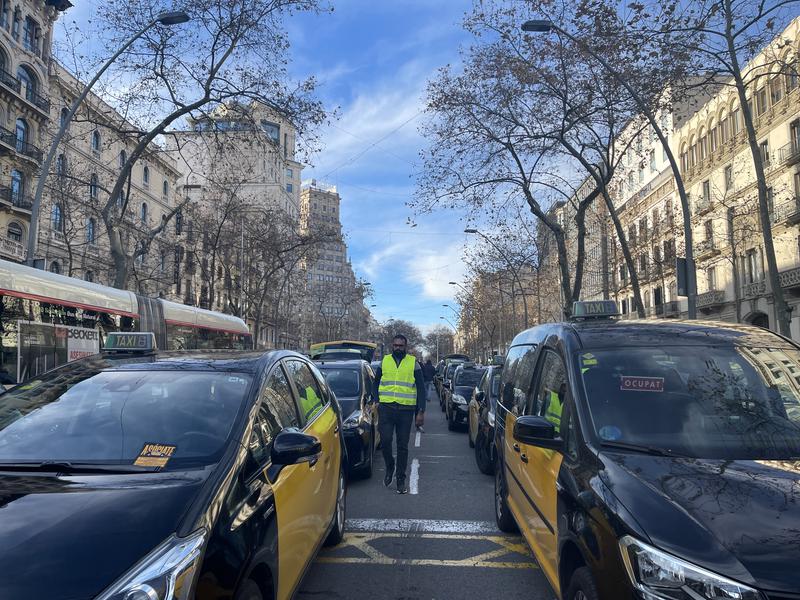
(728,178)
(16,23)
(64,116)
(714,140)
(285,145)
(17,185)
(792,78)
(641,174)
(669,250)
(146,176)
(794,135)
(775,90)
(703,148)
(96,141)
(551,390)
(21,135)
(711,278)
(57,218)
(751,270)
(762,105)
(515,393)
(93,187)
(289,188)
(89,276)
(290,173)
(61,165)
(647,298)
(162,263)
(736,122)
(706,194)
(55,267)
(91,233)
(143,212)
(724,126)
(643,264)
(5,21)
(165,188)
(730,216)
(764,147)
(709,231)
(308,390)
(275,413)
(178,222)
(30,35)
(272,130)
(14,232)
(652,161)
(797,185)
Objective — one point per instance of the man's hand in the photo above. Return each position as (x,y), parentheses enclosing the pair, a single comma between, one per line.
(420,421)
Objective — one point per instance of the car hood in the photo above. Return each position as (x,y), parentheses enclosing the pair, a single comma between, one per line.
(737,518)
(68,538)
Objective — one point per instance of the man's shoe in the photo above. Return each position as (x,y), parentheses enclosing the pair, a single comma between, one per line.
(387,479)
(401,487)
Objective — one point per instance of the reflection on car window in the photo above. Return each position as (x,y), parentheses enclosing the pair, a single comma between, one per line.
(85,416)
(700,401)
(310,395)
(469,377)
(551,391)
(344,382)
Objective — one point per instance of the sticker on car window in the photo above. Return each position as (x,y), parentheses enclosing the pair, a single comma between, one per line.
(588,359)
(632,383)
(610,433)
(154,455)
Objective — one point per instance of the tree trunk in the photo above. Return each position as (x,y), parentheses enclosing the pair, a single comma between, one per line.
(626,253)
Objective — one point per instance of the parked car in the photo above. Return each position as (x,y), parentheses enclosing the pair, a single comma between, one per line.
(130,473)
(482,411)
(351,382)
(437,378)
(446,384)
(465,377)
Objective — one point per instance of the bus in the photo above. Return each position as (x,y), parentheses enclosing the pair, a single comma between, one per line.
(47,320)
(366,349)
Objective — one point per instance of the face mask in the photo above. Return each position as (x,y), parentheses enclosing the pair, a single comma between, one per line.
(398,353)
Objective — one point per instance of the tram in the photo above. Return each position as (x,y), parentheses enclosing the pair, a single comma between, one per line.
(47,320)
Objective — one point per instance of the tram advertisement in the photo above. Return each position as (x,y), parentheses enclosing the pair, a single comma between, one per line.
(43,346)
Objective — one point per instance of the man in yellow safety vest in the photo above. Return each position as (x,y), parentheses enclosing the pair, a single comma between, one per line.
(400,389)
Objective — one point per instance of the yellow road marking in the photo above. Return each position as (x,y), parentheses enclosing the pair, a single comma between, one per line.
(361,542)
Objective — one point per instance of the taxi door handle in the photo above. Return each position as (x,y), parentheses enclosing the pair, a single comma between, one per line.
(516,447)
(524,458)
(336,430)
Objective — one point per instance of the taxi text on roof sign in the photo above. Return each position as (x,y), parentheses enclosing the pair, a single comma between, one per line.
(138,342)
(595,308)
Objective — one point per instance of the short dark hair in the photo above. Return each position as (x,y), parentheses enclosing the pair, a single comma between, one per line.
(400,336)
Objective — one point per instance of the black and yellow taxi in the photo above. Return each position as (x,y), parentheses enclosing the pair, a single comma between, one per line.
(135,474)
(656,460)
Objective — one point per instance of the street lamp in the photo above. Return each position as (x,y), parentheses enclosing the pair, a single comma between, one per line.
(448,321)
(545,26)
(457,313)
(165,18)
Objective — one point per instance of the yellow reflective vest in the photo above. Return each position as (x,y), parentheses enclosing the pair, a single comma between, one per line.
(397,381)
(309,402)
(553,411)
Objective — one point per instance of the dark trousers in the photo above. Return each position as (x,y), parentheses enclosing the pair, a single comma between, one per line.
(391,419)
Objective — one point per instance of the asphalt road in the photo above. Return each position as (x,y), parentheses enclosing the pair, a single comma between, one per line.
(438,543)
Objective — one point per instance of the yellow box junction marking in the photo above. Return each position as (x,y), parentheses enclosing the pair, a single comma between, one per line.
(361,542)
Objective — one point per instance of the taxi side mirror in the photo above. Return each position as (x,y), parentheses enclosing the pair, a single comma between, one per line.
(292,446)
(536,431)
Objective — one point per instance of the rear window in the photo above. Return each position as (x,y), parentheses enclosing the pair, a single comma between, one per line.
(107,417)
(343,382)
(469,377)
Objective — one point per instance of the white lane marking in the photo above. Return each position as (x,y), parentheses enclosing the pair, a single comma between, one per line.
(413,482)
(421,525)
(417,439)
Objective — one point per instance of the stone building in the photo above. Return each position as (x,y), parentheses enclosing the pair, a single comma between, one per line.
(25,41)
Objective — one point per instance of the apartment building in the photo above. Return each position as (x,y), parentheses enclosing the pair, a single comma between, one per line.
(72,237)
(334,299)
(25,42)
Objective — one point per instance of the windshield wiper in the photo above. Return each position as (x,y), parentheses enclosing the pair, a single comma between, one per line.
(643,449)
(57,466)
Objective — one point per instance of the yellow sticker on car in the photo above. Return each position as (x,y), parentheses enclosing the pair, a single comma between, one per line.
(154,455)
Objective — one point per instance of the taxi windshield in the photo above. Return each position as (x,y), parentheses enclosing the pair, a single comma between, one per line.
(469,377)
(344,382)
(116,417)
(733,403)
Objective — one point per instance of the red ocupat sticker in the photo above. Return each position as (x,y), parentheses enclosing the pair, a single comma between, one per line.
(630,383)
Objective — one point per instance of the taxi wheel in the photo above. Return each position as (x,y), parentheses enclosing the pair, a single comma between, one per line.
(249,591)
(365,472)
(502,515)
(451,421)
(337,531)
(482,456)
(581,586)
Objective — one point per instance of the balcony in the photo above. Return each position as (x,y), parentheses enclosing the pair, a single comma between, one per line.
(17,200)
(710,299)
(8,80)
(12,249)
(786,213)
(754,289)
(29,150)
(39,101)
(790,278)
(706,248)
(790,153)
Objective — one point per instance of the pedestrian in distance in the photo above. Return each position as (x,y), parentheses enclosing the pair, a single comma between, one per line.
(400,389)
(428,371)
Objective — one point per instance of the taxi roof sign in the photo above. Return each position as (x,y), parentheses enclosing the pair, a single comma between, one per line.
(119,341)
(595,309)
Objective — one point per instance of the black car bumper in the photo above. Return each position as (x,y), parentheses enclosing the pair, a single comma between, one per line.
(358,442)
(460,412)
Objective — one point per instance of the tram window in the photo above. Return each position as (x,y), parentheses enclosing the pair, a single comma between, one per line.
(209,339)
(180,337)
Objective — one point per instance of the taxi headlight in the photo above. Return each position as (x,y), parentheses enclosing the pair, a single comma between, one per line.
(353,420)
(661,576)
(459,399)
(167,573)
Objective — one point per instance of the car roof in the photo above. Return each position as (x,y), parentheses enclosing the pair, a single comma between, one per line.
(340,364)
(604,333)
(190,360)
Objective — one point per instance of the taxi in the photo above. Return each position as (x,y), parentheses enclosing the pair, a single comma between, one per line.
(653,459)
(135,474)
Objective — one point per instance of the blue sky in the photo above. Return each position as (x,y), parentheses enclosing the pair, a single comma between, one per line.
(372,61)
